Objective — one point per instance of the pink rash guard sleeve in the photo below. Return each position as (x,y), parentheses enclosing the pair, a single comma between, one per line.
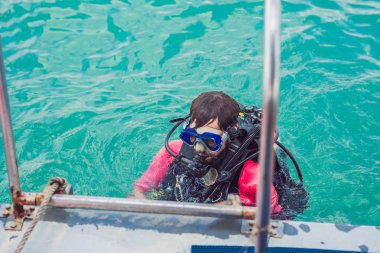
(248,181)
(158,168)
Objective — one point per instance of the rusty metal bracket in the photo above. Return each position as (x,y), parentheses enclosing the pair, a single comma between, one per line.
(16,224)
(24,207)
(276,228)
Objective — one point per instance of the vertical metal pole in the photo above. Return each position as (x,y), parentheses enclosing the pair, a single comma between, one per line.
(271,85)
(8,140)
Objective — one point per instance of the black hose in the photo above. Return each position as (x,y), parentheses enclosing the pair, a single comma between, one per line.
(242,148)
(246,159)
(254,155)
(293,160)
(211,195)
(179,122)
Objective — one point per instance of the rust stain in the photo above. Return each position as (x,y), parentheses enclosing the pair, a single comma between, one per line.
(18,210)
(17,199)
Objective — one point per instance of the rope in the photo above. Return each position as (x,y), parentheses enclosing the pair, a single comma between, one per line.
(56,184)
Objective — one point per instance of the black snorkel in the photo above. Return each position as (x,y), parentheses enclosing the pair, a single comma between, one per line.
(178,122)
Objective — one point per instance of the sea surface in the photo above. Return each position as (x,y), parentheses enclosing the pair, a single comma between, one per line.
(93,84)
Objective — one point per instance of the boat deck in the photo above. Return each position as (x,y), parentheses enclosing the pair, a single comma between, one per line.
(81,230)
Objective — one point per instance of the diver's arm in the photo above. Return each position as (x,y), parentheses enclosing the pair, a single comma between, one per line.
(248,182)
(157,170)
(138,194)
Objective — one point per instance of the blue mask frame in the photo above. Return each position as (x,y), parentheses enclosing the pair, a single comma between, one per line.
(213,142)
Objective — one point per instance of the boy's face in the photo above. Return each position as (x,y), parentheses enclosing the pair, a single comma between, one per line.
(210,127)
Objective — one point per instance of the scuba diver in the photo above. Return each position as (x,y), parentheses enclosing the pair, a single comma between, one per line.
(217,156)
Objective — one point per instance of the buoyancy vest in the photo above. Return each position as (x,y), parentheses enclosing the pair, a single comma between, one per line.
(192,180)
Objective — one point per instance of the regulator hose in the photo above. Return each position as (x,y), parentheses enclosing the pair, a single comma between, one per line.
(292,158)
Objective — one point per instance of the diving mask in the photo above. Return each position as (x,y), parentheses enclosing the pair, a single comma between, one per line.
(213,142)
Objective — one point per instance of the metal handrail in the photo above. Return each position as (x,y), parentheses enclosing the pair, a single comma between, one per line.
(8,139)
(152,206)
(271,86)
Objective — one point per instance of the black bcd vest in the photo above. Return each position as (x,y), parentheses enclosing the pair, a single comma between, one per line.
(209,182)
(190,180)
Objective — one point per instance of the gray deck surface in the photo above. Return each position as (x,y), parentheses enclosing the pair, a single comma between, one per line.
(79,230)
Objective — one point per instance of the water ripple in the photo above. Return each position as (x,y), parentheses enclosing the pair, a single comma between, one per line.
(93,85)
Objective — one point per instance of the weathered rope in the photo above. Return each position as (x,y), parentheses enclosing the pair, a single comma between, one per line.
(56,184)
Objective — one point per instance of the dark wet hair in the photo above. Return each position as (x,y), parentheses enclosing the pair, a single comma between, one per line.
(213,105)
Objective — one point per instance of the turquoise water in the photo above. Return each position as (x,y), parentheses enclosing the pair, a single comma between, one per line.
(92,85)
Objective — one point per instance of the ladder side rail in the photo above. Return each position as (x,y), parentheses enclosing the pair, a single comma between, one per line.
(7,130)
(271,86)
